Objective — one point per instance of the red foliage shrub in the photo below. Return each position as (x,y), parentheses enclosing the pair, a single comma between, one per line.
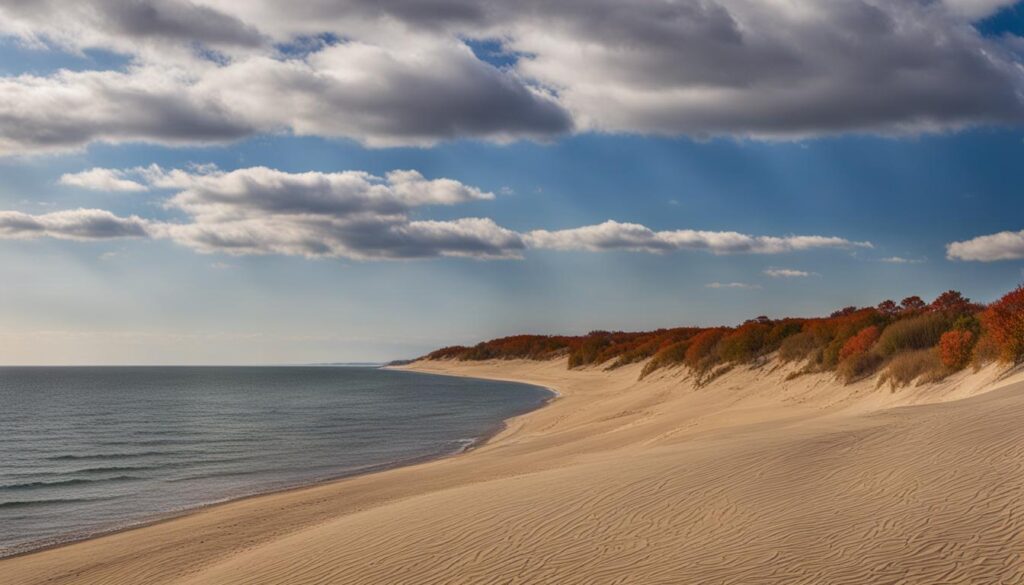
(853,341)
(955,348)
(744,343)
(860,343)
(1004,321)
(702,345)
(952,301)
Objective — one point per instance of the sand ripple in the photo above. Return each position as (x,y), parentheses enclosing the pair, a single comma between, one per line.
(746,481)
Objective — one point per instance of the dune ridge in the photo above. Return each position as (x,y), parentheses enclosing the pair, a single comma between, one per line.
(748,479)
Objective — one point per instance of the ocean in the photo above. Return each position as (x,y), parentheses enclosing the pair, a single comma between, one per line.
(84,450)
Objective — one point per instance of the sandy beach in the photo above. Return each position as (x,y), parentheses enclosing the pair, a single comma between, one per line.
(748,479)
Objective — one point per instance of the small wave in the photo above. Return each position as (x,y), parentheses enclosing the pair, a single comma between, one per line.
(10,504)
(89,471)
(122,455)
(66,482)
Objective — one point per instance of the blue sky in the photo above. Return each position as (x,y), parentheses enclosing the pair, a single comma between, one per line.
(174,299)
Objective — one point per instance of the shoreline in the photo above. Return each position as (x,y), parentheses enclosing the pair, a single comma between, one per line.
(620,480)
(474,443)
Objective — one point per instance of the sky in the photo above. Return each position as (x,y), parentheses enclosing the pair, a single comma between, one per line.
(214,182)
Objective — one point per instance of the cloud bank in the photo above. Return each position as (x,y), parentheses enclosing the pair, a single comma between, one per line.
(351,214)
(405,73)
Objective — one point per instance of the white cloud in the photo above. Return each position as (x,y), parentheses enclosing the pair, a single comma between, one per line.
(76,224)
(732,285)
(786,273)
(354,214)
(613,235)
(1001,246)
(99,179)
(349,214)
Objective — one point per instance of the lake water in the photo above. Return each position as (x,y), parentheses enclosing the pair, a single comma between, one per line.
(86,450)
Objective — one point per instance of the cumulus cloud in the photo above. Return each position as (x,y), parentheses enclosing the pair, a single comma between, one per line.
(1001,246)
(786,273)
(261,190)
(349,214)
(353,214)
(99,179)
(613,235)
(71,109)
(401,72)
(76,224)
(416,95)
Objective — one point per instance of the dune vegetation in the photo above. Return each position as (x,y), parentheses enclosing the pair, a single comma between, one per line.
(903,342)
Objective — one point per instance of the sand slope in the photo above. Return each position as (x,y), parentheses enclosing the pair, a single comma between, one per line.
(749,479)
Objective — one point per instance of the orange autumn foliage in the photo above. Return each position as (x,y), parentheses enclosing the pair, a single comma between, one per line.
(852,341)
(1004,321)
(860,343)
(955,348)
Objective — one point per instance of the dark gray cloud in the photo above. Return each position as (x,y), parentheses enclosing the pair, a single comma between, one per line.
(101,22)
(422,93)
(179,20)
(764,69)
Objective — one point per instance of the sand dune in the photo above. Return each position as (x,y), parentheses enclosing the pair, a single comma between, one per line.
(749,479)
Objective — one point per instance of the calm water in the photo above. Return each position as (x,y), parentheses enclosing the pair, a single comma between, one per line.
(84,450)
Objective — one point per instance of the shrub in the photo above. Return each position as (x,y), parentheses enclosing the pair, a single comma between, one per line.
(912,304)
(918,332)
(955,348)
(1004,321)
(860,343)
(951,301)
(888,308)
(636,354)
(798,347)
(830,355)
(781,331)
(907,367)
(985,351)
(857,366)
(701,347)
(588,351)
(743,344)
(671,355)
